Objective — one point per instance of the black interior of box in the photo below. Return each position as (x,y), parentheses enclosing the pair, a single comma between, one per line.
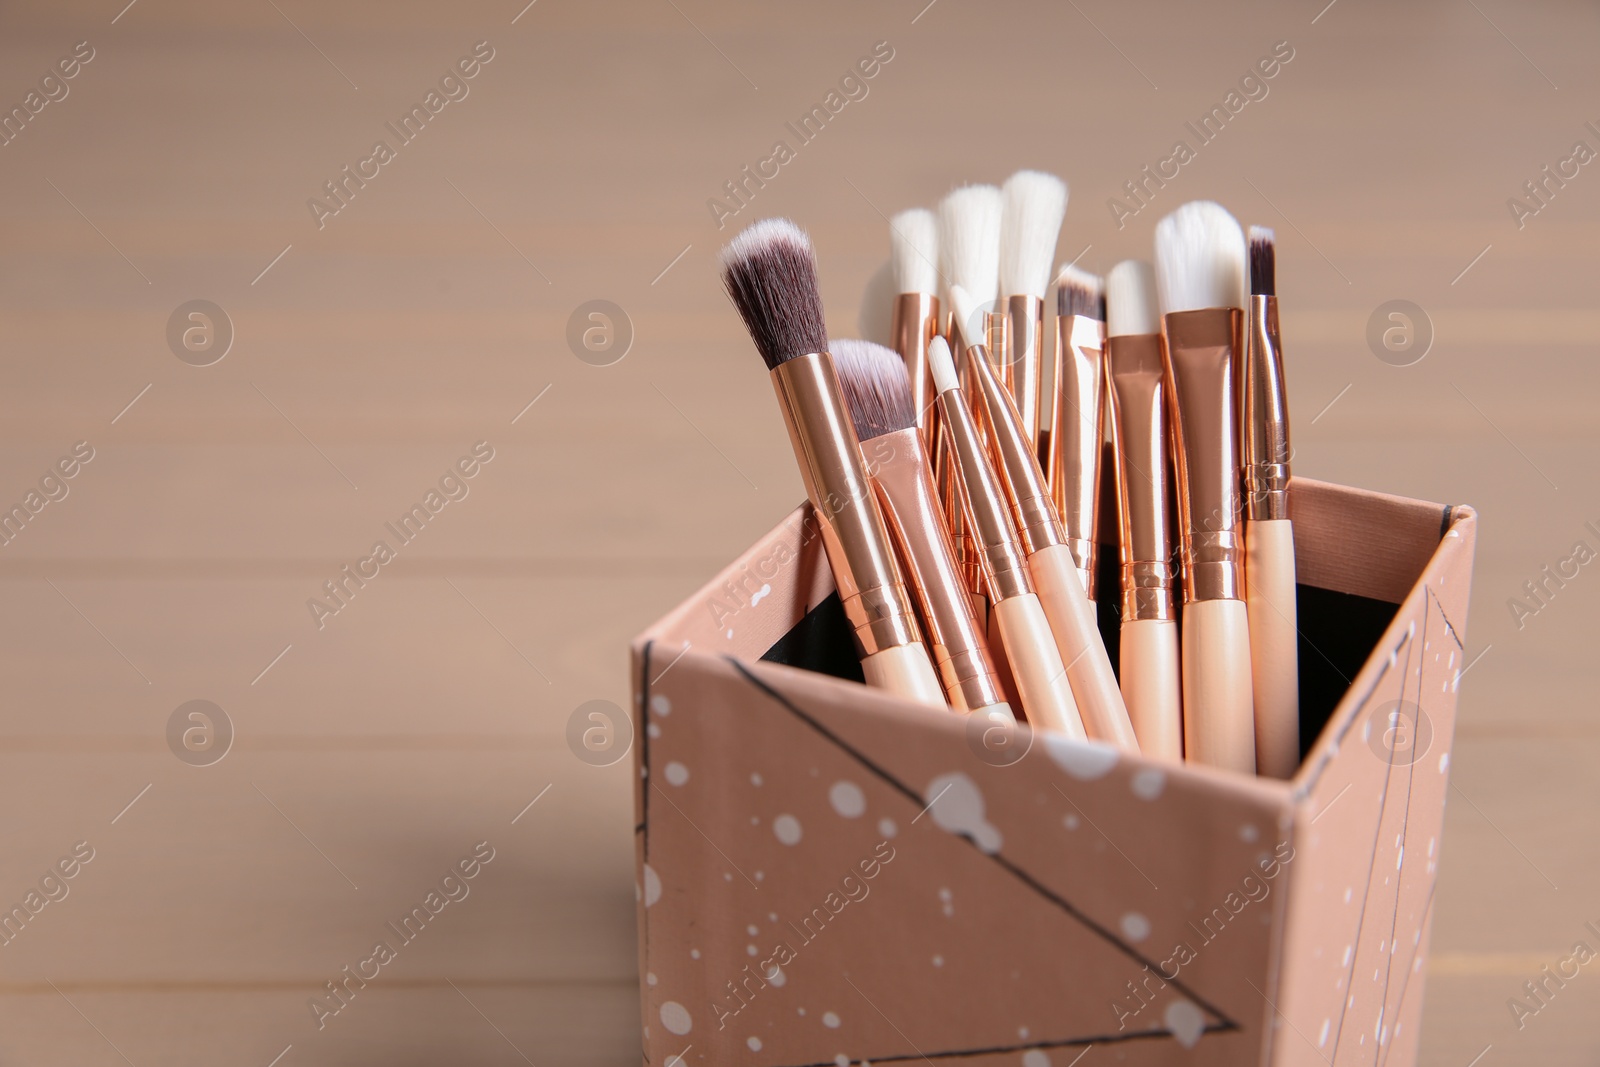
(1338,631)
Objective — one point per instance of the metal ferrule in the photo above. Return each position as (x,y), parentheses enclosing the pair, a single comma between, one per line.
(1137,408)
(859,551)
(897,463)
(1023,366)
(1024,481)
(997,338)
(1079,426)
(1264,411)
(1004,565)
(1204,350)
(913,324)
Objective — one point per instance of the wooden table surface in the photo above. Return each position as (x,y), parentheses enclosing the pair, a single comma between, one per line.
(375,747)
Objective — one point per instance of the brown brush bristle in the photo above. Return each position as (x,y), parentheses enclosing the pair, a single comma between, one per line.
(1080,293)
(1263,262)
(877,389)
(770,272)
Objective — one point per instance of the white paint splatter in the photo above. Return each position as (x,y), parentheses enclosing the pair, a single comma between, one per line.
(1084,760)
(759,593)
(830,1020)
(753,1044)
(1248,832)
(787,829)
(1185,1022)
(652,885)
(956,804)
(653,730)
(1035,1058)
(887,828)
(661,705)
(1148,783)
(675,1017)
(1135,927)
(676,773)
(755,779)
(847,799)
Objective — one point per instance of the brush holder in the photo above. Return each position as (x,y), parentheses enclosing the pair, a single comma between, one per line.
(830,875)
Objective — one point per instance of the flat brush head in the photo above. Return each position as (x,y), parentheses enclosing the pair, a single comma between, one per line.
(877,389)
(969,240)
(914,251)
(1033,205)
(942,366)
(1200,258)
(1080,293)
(1131,300)
(770,273)
(1263,262)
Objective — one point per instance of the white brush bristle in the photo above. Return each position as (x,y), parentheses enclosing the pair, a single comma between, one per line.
(1034,203)
(1131,299)
(969,313)
(942,366)
(969,240)
(1200,259)
(914,251)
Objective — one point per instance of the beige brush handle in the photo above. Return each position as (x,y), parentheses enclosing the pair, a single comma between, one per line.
(1071,616)
(1152,685)
(1218,709)
(906,671)
(1036,665)
(1274,644)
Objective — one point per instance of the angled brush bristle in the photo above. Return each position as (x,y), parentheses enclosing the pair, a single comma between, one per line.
(770,273)
(969,240)
(941,365)
(1034,203)
(914,251)
(1200,258)
(877,389)
(1131,300)
(1080,293)
(1263,262)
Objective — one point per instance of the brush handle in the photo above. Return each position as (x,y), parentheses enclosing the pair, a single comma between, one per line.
(906,671)
(1072,619)
(1218,705)
(1152,685)
(1274,644)
(1036,665)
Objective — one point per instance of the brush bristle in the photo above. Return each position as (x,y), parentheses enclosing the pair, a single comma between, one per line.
(1080,293)
(969,313)
(969,240)
(1263,262)
(1131,300)
(942,366)
(1200,258)
(1034,203)
(877,389)
(914,251)
(770,273)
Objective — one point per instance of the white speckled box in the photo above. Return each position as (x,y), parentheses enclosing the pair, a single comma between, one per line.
(828,875)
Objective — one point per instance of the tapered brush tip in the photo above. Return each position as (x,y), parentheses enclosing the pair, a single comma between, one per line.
(1263,262)
(877,389)
(1033,205)
(1080,293)
(942,365)
(914,251)
(969,240)
(770,272)
(1200,258)
(1131,300)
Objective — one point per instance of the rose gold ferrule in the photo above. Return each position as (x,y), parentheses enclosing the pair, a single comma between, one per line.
(1023,363)
(1137,408)
(859,551)
(1004,565)
(997,338)
(1204,349)
(1264,414)
(1076,435)
(913,324)
(1029,494)
(897,463)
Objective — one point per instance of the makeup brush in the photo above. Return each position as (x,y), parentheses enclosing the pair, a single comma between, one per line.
(1268,534)
(1074,458)
(1200,267)
(878,393)
(1033,205)
(969,252)
(1136,404)
(1055,574)
(1035,661)
(770,273)
(914,259)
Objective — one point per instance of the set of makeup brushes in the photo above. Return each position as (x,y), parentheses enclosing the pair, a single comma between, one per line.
(957,477)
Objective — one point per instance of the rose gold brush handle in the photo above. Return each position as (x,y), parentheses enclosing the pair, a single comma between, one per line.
(914,320)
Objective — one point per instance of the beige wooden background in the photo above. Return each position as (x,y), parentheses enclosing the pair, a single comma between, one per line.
(372,753)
